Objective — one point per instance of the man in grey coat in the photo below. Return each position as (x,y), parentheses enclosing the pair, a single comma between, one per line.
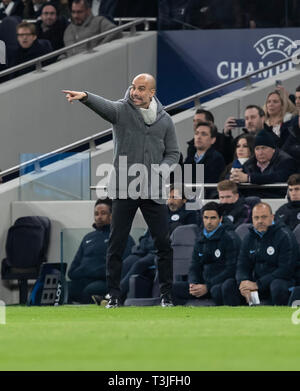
(143,134)
(84,25)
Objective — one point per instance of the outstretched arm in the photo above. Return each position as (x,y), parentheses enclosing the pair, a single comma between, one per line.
(74,95)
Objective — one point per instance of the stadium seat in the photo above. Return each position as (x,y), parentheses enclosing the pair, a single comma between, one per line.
(26,248)
(242,230)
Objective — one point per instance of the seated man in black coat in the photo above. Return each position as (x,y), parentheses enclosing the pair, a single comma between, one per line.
(221,143)
(213,265)
(51,26)
(29,47)
(212,160)
(267,260)
(11,8)
(289,213)
(268,165)
(292,128)
(88,269)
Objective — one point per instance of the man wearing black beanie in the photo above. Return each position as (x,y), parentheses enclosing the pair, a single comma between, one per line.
(268,165)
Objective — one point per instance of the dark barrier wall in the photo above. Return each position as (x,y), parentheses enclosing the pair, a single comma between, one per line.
(192,61)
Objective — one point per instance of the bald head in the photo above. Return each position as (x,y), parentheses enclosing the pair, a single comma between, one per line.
(142,90)
(262,216)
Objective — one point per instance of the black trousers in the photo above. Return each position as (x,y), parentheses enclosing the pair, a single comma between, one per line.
(156,217)
(222,294)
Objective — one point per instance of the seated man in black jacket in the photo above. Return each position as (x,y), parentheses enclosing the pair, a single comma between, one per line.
(289,213)
(88,269)
(221,143)
(213,265)
(51,26)
(268,165)
(29,47)
(267,260)
(292,132)
(212,160)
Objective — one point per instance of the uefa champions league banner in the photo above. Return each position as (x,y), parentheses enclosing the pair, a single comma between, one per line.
(195,60)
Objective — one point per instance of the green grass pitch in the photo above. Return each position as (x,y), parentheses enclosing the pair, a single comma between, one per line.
(149,338)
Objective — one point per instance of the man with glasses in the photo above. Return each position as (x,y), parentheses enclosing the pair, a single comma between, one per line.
(29,47)
(85,25)
(51,26)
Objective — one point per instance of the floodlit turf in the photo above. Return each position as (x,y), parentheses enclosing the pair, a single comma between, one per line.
(149,338)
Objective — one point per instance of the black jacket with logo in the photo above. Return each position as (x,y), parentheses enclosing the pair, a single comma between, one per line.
(272,256)
(289,213)
(214,258)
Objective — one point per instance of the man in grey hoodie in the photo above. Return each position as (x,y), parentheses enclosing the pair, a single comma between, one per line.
(143,133)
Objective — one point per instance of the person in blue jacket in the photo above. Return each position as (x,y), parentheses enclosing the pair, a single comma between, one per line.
(213,266)
(88,269)
(268,259)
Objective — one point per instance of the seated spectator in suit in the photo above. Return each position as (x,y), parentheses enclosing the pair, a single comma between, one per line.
(85,25)
(213,265)
(234,207)
(212,160)
(289,213)
(141,259)
(88,269)
(29,47)
(32,8)
(244,149)
(268,165)
(254,122)
(292,141)
(279,109)
(267,260)
(51,26)
(11,8)
(202,115)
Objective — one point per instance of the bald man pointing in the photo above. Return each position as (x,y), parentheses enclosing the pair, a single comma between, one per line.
(144,134)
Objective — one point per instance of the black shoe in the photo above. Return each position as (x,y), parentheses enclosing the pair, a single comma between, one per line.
(166,301)
(97,299)
(113,303)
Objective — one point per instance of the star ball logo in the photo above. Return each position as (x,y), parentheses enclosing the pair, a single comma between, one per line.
(270,48)
(2,53)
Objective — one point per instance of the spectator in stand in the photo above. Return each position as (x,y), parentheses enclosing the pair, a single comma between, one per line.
(51,26)
(29,47)
(289,213)
(213,161)
(213,265)
(32,8)
(267,260)
(11,8)
(268,165)
(244,149)
(221,144)
(88,269)
(85,25)
(292,143)
(279,109)
(254,122)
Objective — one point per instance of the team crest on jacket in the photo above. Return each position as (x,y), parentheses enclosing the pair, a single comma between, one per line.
(175,218)
(217,253)
(298,216)
(231,218)
(270,250)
